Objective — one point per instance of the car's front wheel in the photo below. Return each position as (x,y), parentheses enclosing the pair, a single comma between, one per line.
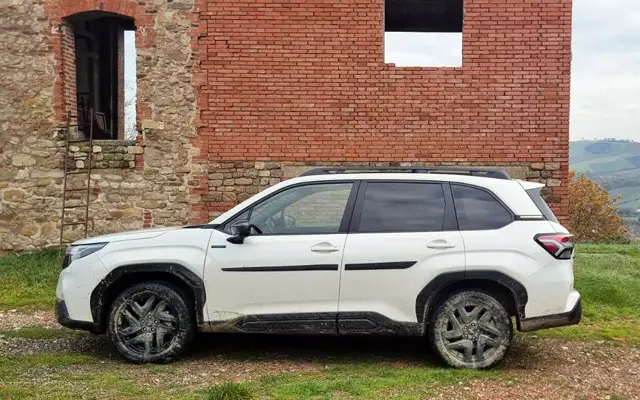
(151,322)
(471,329)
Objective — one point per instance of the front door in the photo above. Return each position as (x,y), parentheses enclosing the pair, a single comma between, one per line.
(285,276)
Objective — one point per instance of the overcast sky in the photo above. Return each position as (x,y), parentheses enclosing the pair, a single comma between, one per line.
(605,82)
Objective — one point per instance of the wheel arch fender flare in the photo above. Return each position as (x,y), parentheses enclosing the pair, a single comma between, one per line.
(100,300)
(438,285)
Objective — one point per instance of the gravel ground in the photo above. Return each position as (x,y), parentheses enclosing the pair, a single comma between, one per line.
(13,319)
(535,368)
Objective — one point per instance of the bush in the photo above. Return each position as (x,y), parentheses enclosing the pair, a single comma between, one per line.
(230,391)
(592,213)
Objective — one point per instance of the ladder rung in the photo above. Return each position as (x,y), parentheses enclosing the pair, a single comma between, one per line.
(77,172)
(77,190)
(73,223)
(78,206)
(79,140)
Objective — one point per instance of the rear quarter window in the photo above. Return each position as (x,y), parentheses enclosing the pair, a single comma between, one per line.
(478,209)
(535,195)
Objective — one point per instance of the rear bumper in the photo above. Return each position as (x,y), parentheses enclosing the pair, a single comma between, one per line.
(62,315)
(552,321)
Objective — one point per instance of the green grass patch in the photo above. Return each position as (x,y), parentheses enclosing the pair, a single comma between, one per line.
(608,279)
(72,376)
(29,280)
(365,380)
(230,391)
(15,366)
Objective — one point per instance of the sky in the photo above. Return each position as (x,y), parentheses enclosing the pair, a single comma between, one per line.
(605,76)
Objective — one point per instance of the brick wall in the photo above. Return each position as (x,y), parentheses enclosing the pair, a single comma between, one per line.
(306,82)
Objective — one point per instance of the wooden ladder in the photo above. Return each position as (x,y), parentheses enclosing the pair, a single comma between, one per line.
(64,223)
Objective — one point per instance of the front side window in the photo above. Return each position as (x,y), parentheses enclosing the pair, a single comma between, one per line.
(402,207)
(309,209)
(478,210)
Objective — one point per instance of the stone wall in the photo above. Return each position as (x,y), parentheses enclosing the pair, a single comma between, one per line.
(134,184)
(29,163)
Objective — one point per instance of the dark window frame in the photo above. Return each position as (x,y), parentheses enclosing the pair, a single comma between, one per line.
(346,215)
(490,193)
(449,224)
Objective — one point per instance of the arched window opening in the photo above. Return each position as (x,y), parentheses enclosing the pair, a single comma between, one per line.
(104,87)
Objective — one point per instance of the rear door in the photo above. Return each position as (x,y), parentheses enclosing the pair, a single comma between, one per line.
(402,235)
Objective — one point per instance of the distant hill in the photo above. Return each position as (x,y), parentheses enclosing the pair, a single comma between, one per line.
(615,164)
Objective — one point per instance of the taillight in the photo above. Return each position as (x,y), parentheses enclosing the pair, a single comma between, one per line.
(559,245)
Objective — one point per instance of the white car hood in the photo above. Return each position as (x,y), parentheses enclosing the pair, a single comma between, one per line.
(128,235)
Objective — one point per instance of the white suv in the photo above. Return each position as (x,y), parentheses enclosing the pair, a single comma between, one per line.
(447,253)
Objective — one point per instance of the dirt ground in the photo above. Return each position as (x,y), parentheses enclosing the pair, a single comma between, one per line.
(536,368)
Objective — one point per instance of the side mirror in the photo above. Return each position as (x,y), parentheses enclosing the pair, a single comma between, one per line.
(289,221)
(240,231)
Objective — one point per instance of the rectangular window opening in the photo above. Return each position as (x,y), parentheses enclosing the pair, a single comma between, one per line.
(423,33)
(105,75)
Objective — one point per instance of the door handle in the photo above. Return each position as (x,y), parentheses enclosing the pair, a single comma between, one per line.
(440,244)
(324,248)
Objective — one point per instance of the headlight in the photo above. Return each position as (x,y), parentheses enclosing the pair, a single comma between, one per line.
(79,251)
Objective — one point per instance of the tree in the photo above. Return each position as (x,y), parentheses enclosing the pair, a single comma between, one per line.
(592,213)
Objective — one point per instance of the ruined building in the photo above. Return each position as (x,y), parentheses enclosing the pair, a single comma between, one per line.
(234,96)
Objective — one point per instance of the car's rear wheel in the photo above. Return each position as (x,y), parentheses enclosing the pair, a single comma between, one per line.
(471,329)
(151,322)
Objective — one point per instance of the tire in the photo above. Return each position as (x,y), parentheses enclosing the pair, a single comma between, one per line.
(471,329)
(151,322)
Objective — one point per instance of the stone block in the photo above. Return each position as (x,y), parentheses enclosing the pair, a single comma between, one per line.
(13,195)
(537,166)
(243,181)
(151,124)
(22,160)
(533,174)
(552,166)
(229,196)
(553,182)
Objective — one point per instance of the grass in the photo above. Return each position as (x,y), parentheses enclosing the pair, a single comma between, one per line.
(365,380)
(607,276)
(230,391)
(608,279)
(28,281)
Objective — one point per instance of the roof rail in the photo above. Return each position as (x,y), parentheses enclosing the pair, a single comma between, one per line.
(473,171)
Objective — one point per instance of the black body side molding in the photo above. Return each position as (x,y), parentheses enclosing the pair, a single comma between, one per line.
(279,268)
(431,291)
(379,265)
(178,271)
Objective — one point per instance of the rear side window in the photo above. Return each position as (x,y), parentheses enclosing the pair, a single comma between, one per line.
(541,204)
(402,207)
(478,210)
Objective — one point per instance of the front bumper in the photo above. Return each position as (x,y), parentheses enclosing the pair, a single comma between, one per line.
(62,315)
(552,321)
